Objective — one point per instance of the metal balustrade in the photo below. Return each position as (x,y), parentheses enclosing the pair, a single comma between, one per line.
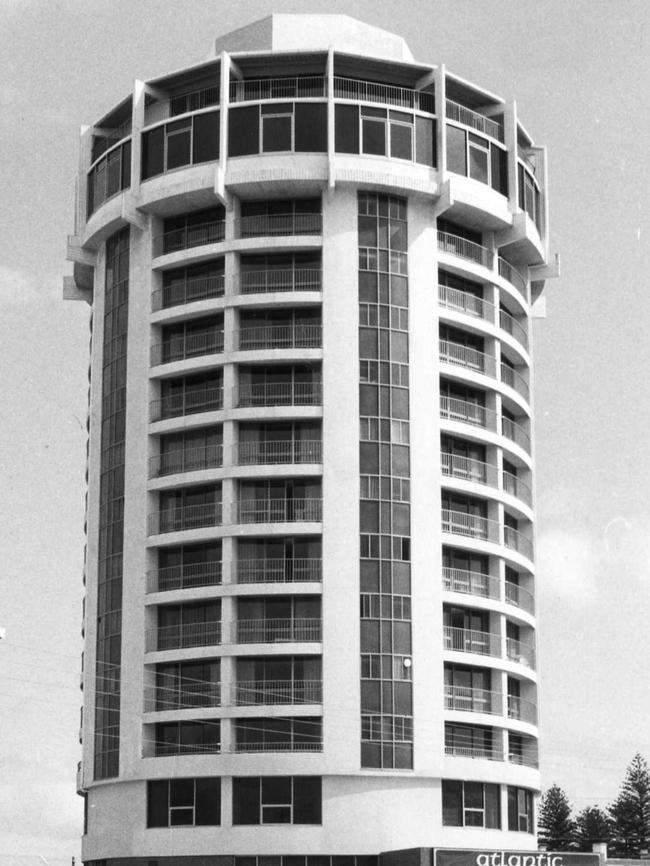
(189,345)
(284,225)
(519,596)
(470,582)
(186,460)
(193,289)
(516,433)
(189,236)
(183,517)
(468,469)
(277,630)
(185,576)
(290,451)
(182,635)
(464,249)
(280,746)
(513,485)
(194,100)
(465,302)
(465,356)
(470,640)
(279,394)
(522,710)
(287,280)
(386,94)
(266,692)
(519,651)
(468,412)
(292,336)
(187,403)
(181,695)
(489,752)
(516,540)
(466,699)
(470,525)
(509,324)
(279,510)
(527,756)
(515,380)
(460,114)
(278,570)
(260,89)
(512,275)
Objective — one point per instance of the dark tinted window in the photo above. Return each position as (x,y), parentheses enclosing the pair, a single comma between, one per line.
(311,127)
(205,144)
(456,150)
(425,148)
(243,131)
(346,127)
(153,152)
(158,803)
(246,800)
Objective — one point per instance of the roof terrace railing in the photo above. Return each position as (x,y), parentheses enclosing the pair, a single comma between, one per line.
(464,248)
(260,89)
(386,94)
(193,289)
(460,114)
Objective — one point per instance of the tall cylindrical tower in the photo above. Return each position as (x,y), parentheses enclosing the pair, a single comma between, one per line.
(309,613)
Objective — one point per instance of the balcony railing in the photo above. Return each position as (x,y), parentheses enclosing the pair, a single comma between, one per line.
(489,753)
(473,119)
(186,460)
(277,630)
(465,302)
(255,692)
(290,451)
(279,394)
(516,540)
(386,94)
(280,746)
(183,635)
(470,700)
(194,289)
(527,756)
(515,380)
(468,412)
(516,433)
(468,469)
(509,324)
(181,696)
(509,273)
(189,236)
(470,582)
(285,225)
(470,525)
(464,249)
(279,570)
(519,651)
(188,403)
(291,336)
(466,356)
(185,517)
(289,280)
(470,640)
(190,345)
(260,89)
(521,709)
(520,597)
(184,576)
(279,510)
(516,487)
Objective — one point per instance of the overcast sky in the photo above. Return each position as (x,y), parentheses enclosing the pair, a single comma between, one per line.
(580,72)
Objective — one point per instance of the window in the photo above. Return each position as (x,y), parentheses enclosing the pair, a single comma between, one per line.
(281,126)
(520,810)
(279,734)
(277,800)
(479,158)
(470,804)
(110,175)
(189,141)
(186,738)
(529,196)
(384,132)
(184,802)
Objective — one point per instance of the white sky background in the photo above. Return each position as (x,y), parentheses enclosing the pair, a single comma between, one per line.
(580,71)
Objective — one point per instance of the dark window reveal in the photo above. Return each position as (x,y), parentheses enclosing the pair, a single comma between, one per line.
(184,802)
(346,128)
(188,141)
(277,800)
(311,127)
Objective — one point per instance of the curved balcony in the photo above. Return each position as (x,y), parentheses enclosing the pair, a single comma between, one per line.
(186,460)
(189,236)
(288,280)
(468,469)
(274,452)
(513,485)
(466,356)
(516,433)
(277,630)
(278,394)
(520,651)
(522,710)
(279,570)
(515,540)
(513,327)
(526,754)
(268,692)
(465,302)
(464,249)
(279,225)
(194,289)
(515,380)
(487,752)
(470,525)
(280,746)
(470,640)
(279,510)
(182,636)
(187,576)
(191,345)
(518,596)
(293,336)
(178,405)
(512,275)
(460,114)
(185,517)
(470,583)
(262,89)
(465,699)
(454,409)
(181,694)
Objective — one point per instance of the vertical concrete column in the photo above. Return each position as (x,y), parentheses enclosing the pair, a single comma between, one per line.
(85,156)
(441,127)
(224,99)
(510,141)
(137,125)
(331,129)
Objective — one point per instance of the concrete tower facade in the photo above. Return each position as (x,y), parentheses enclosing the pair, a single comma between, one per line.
(309,615)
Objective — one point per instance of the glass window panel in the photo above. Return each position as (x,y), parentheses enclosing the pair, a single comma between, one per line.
(158,803)
(401,141)
(478,163)
(153,147)
(374,137)
(425,138)
(456,150)
(205,140)
(311,127)
(246,800)
(178,147)
(452,803)
(243,131)
(276,133)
